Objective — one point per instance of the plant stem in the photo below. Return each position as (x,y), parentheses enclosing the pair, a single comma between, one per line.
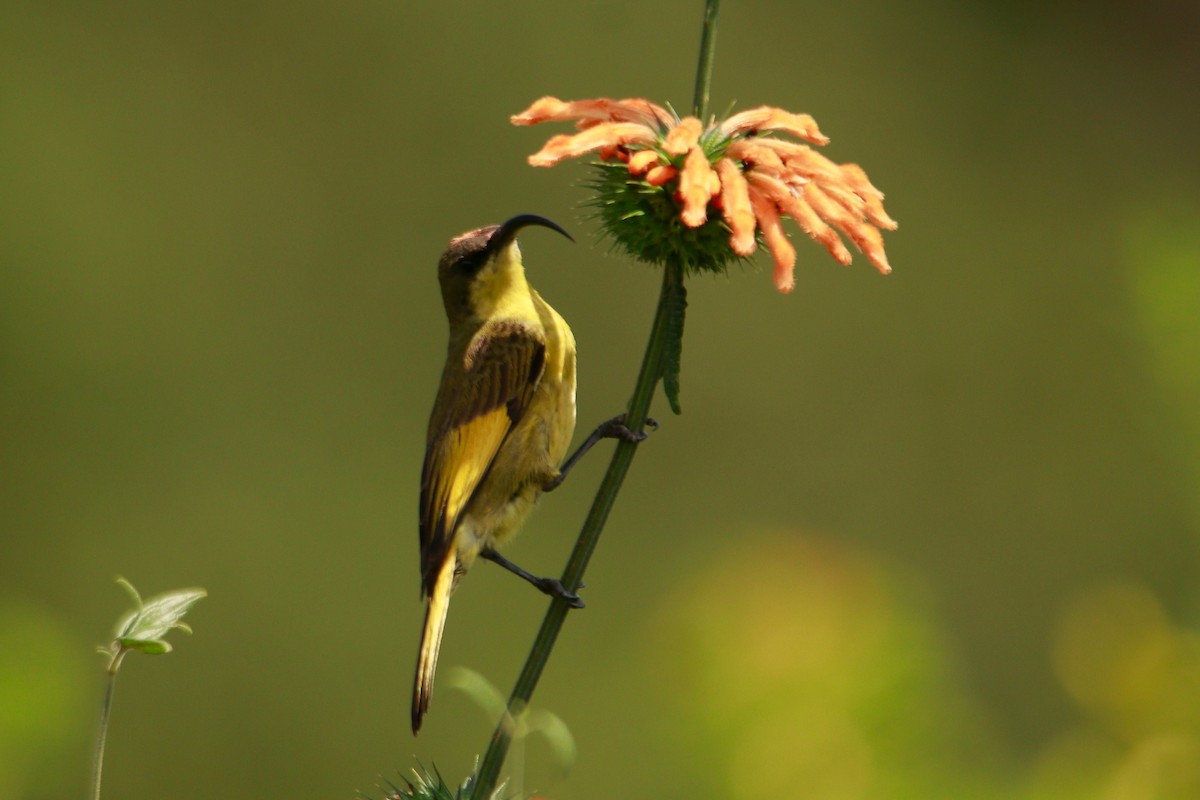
(102,733)
(635,418)
(708,46)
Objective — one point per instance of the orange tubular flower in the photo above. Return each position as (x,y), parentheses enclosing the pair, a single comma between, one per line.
(683,137)
(656,170)
(736,208)
(661,174)
(642,160)
(777,242)
(696,187)
(604,134)
(766,118)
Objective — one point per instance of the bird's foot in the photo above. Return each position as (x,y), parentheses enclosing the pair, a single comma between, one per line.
(554,588)
(550,586)
(614,428)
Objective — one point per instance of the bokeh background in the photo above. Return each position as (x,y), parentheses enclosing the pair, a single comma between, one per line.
(926,536)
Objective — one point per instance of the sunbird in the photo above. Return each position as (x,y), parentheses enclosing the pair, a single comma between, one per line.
(501,423)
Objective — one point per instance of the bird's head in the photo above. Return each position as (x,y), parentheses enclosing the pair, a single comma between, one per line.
(482,265)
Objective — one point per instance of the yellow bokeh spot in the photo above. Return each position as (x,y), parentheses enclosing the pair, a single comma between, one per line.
(807,667)
(1161,768)
(1123,660)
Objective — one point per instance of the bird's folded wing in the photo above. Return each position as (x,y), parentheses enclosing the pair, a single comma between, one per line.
(473,414)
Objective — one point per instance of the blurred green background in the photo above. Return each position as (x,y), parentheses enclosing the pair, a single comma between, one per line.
(925,536)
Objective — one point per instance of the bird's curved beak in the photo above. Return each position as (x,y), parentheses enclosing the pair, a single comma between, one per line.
(504,235)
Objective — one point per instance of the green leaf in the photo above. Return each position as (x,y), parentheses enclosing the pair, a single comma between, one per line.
(479,689)
(676,300)
(143,629)
(558,736)
(151,647)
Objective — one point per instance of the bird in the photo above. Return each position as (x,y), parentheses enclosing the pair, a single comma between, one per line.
(502,420)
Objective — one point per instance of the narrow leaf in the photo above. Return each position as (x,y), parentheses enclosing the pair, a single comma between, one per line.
(676,300)
(132,592)
(558,736)
(479,689)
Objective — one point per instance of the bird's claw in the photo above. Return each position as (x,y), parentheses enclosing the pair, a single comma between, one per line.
(616,428)
(554,588)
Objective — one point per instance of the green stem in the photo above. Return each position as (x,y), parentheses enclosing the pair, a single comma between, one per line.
(102,734)
(708,46)
(635,418)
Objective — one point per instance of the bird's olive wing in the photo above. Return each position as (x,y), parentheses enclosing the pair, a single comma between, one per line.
(476,407)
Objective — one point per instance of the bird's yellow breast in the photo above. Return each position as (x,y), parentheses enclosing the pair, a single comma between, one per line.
(531,454)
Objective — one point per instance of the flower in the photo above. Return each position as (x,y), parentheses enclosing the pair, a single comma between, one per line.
(674,188)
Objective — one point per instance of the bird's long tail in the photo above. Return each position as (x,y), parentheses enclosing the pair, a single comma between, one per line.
(431,641)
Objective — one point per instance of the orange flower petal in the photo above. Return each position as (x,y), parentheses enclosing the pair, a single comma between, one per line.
(830,209)
(714,183)
(661,174)
(607,134)
(769,118)
(601,109)
(872,247)
(846,197)
(877,215)
(642,160)
(736,208)
(645,109)
(546,109)
(695,189)
(755,154)
(781,249)
(796,207)
(683,137)
(860,232)
(805,161)
(856,178)
(809,222)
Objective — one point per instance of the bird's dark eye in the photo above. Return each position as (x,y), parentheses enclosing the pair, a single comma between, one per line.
(470,263)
